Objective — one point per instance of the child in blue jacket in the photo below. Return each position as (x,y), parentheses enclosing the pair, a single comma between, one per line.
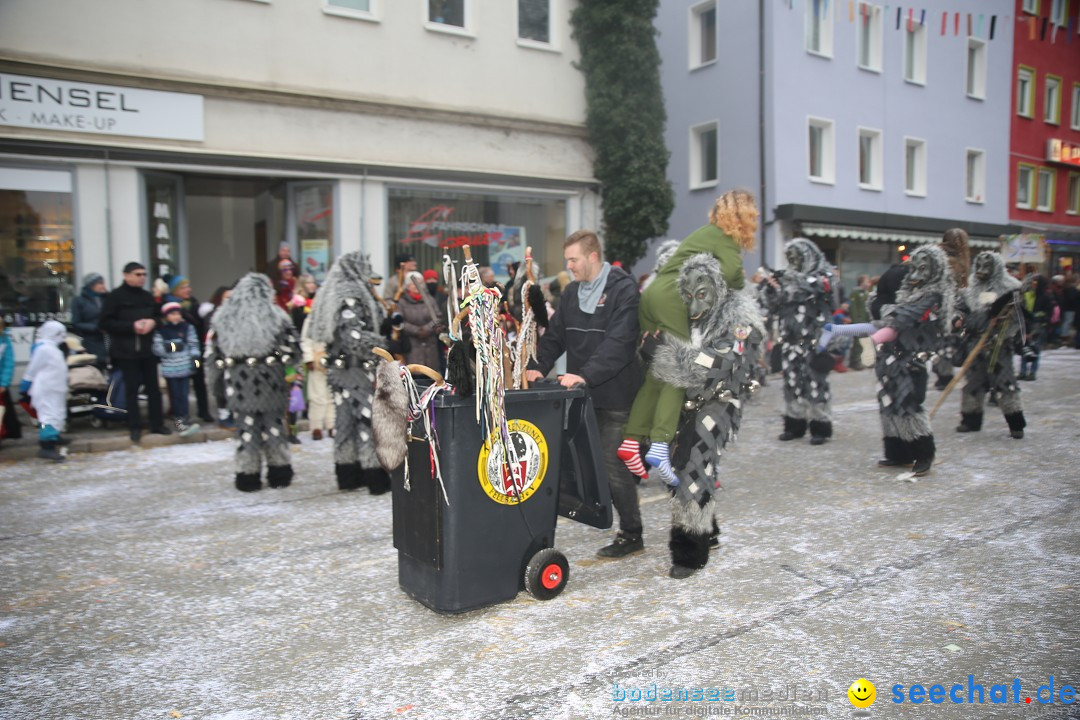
(176,343)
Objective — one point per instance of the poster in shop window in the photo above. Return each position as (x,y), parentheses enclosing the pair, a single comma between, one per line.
(504,248)
(315,258)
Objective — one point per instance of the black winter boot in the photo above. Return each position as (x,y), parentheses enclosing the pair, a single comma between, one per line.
(970,422)
(377,480)
(1016,424)
(279,476)
(820,431)
(689,552)
(248,482)
(794,428)
(897,453)
(350,476)
(49,451)
(923,450)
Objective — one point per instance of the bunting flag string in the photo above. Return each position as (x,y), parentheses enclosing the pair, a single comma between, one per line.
(861,11)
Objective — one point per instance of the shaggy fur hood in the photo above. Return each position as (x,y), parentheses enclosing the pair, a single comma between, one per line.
(940,281)
(955,244)
(980,293)
(250,322)
(348,278)
(813,259)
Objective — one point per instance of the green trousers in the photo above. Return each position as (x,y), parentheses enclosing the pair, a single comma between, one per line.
(656,409)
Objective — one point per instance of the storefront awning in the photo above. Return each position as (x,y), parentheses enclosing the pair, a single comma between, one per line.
(905,237)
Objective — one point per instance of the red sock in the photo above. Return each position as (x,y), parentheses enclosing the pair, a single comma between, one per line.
(630,453)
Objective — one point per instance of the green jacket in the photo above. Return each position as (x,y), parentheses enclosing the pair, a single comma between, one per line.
(661,307)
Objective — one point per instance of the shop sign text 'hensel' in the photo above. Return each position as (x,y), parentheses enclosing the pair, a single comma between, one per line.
(45,104)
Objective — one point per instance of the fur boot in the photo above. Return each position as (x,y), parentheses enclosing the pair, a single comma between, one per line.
(897,453)
(350,476)
(689,549)
(794,428)
(248,482)
(377,480)
(279,476)
(1017,423)
(970,422)
(820,431)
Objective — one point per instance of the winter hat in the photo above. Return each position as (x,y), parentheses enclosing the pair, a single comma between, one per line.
(169,307)
(177,282)
(52,331)
(431,276)
(92,279)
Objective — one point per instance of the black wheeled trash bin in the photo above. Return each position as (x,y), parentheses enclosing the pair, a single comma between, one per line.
(491,541)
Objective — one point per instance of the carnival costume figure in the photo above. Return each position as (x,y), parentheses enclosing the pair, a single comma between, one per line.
(715,370)
(251,342)
(801,299)
(955,244)
(909,332)
(989,289)
(347,318)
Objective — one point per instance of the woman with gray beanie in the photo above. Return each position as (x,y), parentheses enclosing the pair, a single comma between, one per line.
(85,312)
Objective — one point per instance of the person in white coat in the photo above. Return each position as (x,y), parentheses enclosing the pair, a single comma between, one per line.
(46,381)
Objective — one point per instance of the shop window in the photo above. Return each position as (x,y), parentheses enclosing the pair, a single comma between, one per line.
(313,214)
(534,21)
(702,34)
(1025,186)
(1025,105)
(976,69)
(37,246)
(1059,12)
(871,26)
(1052,100)
(870,159)
(915,53)
(819,27)
(1030,6)
(1046,190)
(975,176)
(821,150)
(704,156)
(915,167)
(451,15)
(431,223)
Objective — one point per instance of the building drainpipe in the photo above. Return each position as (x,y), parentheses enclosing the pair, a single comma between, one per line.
(761,131)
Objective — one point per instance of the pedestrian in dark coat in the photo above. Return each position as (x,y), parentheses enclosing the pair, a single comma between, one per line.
(85,313)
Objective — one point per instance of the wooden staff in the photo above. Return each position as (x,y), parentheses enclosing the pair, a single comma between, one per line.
(968,361)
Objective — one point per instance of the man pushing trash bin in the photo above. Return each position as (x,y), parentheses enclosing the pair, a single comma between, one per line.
(596,325)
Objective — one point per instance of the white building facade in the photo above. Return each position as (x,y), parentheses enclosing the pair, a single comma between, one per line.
(198,137)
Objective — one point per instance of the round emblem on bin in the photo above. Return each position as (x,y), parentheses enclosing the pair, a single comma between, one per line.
(531,453)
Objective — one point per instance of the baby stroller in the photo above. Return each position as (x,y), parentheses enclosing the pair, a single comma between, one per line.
(90,391)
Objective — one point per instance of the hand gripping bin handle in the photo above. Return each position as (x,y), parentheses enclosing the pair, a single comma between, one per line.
(584,493)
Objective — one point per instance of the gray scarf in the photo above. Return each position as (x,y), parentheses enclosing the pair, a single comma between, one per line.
(589,293)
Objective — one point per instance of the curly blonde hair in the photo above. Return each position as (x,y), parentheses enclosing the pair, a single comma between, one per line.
(735,212)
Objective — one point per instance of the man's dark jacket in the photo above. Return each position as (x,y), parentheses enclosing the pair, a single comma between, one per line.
(122,307)
(602,347)
(888,285)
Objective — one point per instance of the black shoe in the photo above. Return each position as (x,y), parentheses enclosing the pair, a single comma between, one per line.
(964,428)
(1017,434)
(818,440)
(887,463)
(293,440)
(681,572)
(136,436)
(207,419)
(942,383)
(922,467)
(160,431)
(51,454)
(714,542)
(785,436)
(624,545)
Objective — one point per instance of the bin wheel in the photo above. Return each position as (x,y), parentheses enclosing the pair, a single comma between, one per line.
(96,422)
(546,574)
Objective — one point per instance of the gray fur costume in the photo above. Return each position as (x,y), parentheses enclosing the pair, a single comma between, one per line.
(993,369)
(717,369)
(921,318)
(251,343)
(347,318)
(955,245)
(802,305)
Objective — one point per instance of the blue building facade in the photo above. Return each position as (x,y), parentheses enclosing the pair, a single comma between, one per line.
(868,128)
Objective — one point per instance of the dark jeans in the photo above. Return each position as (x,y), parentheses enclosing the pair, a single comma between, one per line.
(136,372)
(202,403)
(624,494)
(178,397)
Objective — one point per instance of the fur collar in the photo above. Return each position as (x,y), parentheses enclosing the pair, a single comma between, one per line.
(1000,282)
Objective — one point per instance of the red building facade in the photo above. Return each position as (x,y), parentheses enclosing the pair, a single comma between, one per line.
(1044,166)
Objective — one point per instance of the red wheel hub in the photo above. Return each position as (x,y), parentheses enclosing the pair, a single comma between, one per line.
(552,576)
